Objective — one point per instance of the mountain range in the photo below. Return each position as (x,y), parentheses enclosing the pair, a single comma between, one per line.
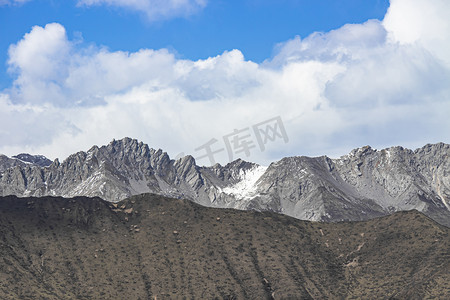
(364,184)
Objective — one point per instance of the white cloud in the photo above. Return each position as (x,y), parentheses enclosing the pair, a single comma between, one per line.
(344,44)
(40,62)
(25,126)
(154,9)
(361,84)
(423,22)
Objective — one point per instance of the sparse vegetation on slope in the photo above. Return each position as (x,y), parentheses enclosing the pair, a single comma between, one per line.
(149,247)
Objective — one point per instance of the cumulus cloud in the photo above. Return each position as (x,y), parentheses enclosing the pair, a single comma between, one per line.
(422,22)
(38,60)
(344,44)
(371,83)
(154,9)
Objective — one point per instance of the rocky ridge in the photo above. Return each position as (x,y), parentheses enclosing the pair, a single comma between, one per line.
(22,160)
(364,184)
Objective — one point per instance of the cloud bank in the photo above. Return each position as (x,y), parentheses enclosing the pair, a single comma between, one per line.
(381,83)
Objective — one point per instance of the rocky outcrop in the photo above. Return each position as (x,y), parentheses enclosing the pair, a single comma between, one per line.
(38,160)
(364,184)
(360,185)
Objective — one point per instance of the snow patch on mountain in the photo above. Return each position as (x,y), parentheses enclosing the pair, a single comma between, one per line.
(22,161)
(246,188)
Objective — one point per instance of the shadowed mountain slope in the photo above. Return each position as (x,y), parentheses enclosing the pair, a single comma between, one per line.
(149,247)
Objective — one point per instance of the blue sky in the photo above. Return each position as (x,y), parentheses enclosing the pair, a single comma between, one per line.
(252,26)
(179,74)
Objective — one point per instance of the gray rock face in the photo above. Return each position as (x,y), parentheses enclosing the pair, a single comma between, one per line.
(38,160)
(364,184)
(22,160)
(361,185)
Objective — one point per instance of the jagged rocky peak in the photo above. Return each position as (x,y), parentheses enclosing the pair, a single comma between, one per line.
(23,160)
(234,170)
(55,163)
(295,163)
(398,151)
(185,162)
(433,151)
(94,149)
(358,153)
(240,164)
(386,157)
(38,160)
(159,160)
(433,148)
(74,161)
(128,147)
(188,159)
